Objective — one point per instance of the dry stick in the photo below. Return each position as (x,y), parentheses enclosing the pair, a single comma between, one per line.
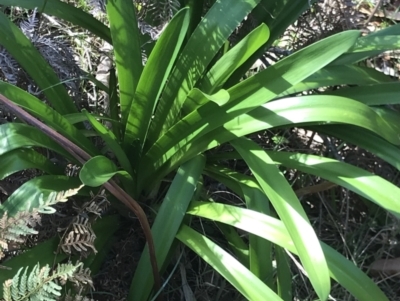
(377,5)
(111,186)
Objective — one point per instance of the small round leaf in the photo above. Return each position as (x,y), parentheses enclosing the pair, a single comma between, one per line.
(97,171)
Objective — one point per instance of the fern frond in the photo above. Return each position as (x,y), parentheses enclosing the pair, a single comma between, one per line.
(9,67)
(16,228)
(76,297)
(7,290)
(54,198)
(40,284)
(14,286)
(82,277)
(97,205)
(80,237)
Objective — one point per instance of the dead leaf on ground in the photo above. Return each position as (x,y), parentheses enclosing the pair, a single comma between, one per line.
(388,267)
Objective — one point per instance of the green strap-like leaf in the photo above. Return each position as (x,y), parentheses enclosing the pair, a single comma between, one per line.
(238,246)
(232,270)
(290,211)
(166,224)
(277,15)
(127,49)
(111,142)
(234,58)
(17,135)
(81,117)
(341,269)
(339,75)
(30,59)
(362,182)
(201,48)
(364,139)
(371,39)
(32,193)
(66,12)
(284,274)
(294,111)
(21,159)
(48,115)
(372,95)
(153,78)
(247,96)
(248,188)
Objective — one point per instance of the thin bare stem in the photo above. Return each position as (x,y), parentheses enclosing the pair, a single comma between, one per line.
(82,156)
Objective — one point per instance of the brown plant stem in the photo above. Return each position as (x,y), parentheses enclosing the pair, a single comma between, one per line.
(82,156)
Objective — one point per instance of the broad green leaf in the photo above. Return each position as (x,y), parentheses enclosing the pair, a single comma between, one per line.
(167,224)
(197,98)
(21,159)
(45,252)
(272,229)
(370,186)
(290,211)
(289,112)
(248,188)
(35,192)
(98,170)
(111,142)
(153,79)
(366,140)
(81,117)
(247,96)
(17,135)
(232,270)
(48,115)
(237,245)
(372,95)
(322,109)
(234,58)
(200,49)
(196,14)
(284,274)
(339,75)
(30,59)
(277,15)
(351,58)
(127,50)
(382,43)
(67,12)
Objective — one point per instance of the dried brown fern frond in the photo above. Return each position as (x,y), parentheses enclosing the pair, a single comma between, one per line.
(82,278)
(79,237)
(15,228)
(97,205)
(71,297)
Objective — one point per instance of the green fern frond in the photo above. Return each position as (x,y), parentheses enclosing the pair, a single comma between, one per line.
(15,228)
(40,284)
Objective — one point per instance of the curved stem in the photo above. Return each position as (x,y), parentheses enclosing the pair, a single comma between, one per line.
(111,186)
